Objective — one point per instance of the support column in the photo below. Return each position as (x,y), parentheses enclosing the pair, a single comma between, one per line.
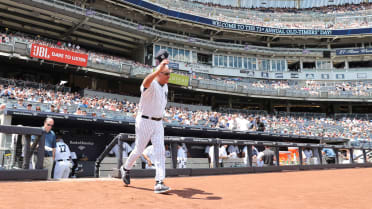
(213,101)
(300,155)
(288,107)
(120,157)
(320,156)
(216,163)
(349,108)
(337,158)
(174,154)
(230,101)
(351,153)
(94,84)
(26,141)
(364,156)
(277,156)
(270,107)
(250,154)
(5,139)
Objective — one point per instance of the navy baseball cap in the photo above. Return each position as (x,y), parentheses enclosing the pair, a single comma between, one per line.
(161,55)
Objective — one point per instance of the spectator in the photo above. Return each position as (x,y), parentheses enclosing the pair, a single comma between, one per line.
(64,110)
(78,111)
(260,125)
(20,104)
(29,107)
(50,146)
(38,109)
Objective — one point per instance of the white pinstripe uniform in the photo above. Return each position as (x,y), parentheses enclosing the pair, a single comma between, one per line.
(63,161)
(152,104)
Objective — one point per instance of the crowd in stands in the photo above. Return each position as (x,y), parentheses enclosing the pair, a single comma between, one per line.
(350,15)
(330,9)
(313,88)
(33,99)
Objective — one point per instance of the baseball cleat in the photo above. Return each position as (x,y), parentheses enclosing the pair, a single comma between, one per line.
(161,188)
(125,176)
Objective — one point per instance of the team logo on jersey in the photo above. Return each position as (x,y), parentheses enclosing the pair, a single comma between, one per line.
(81,147)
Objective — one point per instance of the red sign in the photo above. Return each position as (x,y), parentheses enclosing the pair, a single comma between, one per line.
(58,55)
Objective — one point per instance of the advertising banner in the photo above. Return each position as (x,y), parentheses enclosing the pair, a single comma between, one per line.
(178,79)
(58,55)
(353,51)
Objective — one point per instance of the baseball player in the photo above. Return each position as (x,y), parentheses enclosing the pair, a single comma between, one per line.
(126,150)
(181,156)
(260,160)
(149,155)
(233,151)
(168,153)
(222,154)
(62,160)
(149,125)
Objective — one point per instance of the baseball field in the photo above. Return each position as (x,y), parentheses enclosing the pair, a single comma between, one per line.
(323,189)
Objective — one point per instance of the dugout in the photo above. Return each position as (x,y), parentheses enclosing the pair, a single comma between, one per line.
(88,136)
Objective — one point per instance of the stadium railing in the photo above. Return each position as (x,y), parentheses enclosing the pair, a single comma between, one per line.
(296,161)
(245,88)
(14,165)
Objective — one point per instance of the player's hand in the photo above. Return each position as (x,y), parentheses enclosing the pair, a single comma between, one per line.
(149,164)
(164,62)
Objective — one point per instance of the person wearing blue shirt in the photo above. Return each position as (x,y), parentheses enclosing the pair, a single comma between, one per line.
(50,145)
(330,155)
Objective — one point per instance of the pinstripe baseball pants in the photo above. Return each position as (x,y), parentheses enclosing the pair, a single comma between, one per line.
(147,129)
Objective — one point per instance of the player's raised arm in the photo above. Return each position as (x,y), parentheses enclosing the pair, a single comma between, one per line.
(162,61)
(149,78)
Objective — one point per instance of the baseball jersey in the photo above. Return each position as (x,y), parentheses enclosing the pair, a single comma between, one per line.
(308,153)
(181,153)
(73,155)
(153,100)
(168,154)
(126,149)
(62,151)
(233,149)
(206,150)
(222,153)
(245,151)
